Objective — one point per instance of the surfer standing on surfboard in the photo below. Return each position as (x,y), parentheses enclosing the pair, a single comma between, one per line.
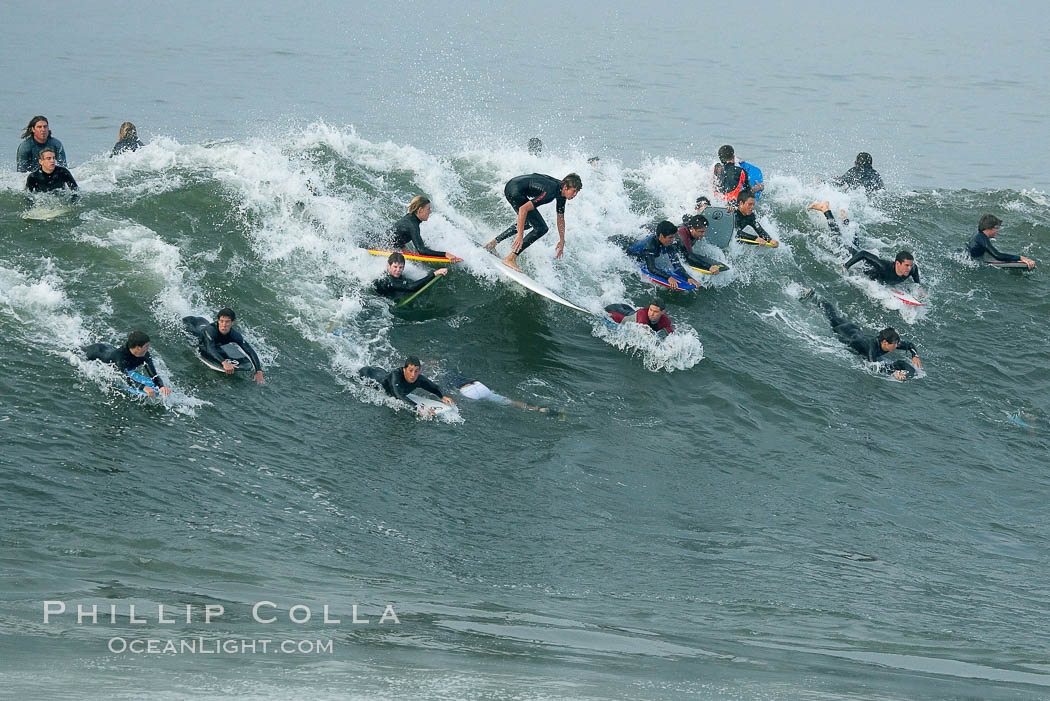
(525,193)
(406,229)
(871,348)
(393,284)
(981,243)
(213,336)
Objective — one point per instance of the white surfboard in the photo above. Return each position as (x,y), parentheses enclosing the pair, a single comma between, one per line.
(428,405)
(530,284)
(46,212)
(233,353)
(907,298)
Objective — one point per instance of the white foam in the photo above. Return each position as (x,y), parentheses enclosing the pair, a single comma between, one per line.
(678,351)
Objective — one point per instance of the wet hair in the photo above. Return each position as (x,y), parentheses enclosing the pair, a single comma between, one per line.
(889,335)
(694,221)
(988,221)
(395,257)
(127,131)
(666,228)
(863,159)
(32,123)
(903,256)
(656,303)
(46,150)
(572,181)
(411,360)
(137,339)
(593,160)
(702,199)
(418,202)
(726,153)
(226,312)
(535,146)
(744,196)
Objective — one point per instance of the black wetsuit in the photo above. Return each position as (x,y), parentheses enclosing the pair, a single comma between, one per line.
(395,384)
(868,347)
(406,229)
(649,249)
(730,180)
(683,246)
(538,189)
(880,269)
(858,176)
(390,286)
(744,220)
(981,245)
(123,358)
(211,341)
(39,181)
(131,143)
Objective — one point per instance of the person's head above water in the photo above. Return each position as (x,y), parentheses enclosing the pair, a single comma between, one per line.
(726,154)
(696,223)
(395,264)
(127,131)
(745,202)
(666,231)
(863,160)
(655,310)
(38,129)
(224,319)
(989,225)
(702,203)
(138,343)
(571,185)
(420,206)
(903,263)
(535,146)
(888,339)
(46,159)
(411,367)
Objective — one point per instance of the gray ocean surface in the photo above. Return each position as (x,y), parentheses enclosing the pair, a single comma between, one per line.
(749,512)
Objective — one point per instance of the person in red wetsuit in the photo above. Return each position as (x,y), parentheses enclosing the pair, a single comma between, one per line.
(652,316)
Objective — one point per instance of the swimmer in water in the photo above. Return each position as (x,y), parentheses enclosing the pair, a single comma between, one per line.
(981,244)
(871,348)
(134,353)
(652,316)
(395,285)
(213,336)
(659,244)
(399,383)
(745,218)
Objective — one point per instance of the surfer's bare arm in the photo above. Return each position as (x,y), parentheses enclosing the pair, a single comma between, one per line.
(561,234)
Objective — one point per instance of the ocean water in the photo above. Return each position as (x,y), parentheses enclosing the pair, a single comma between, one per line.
(746,512)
